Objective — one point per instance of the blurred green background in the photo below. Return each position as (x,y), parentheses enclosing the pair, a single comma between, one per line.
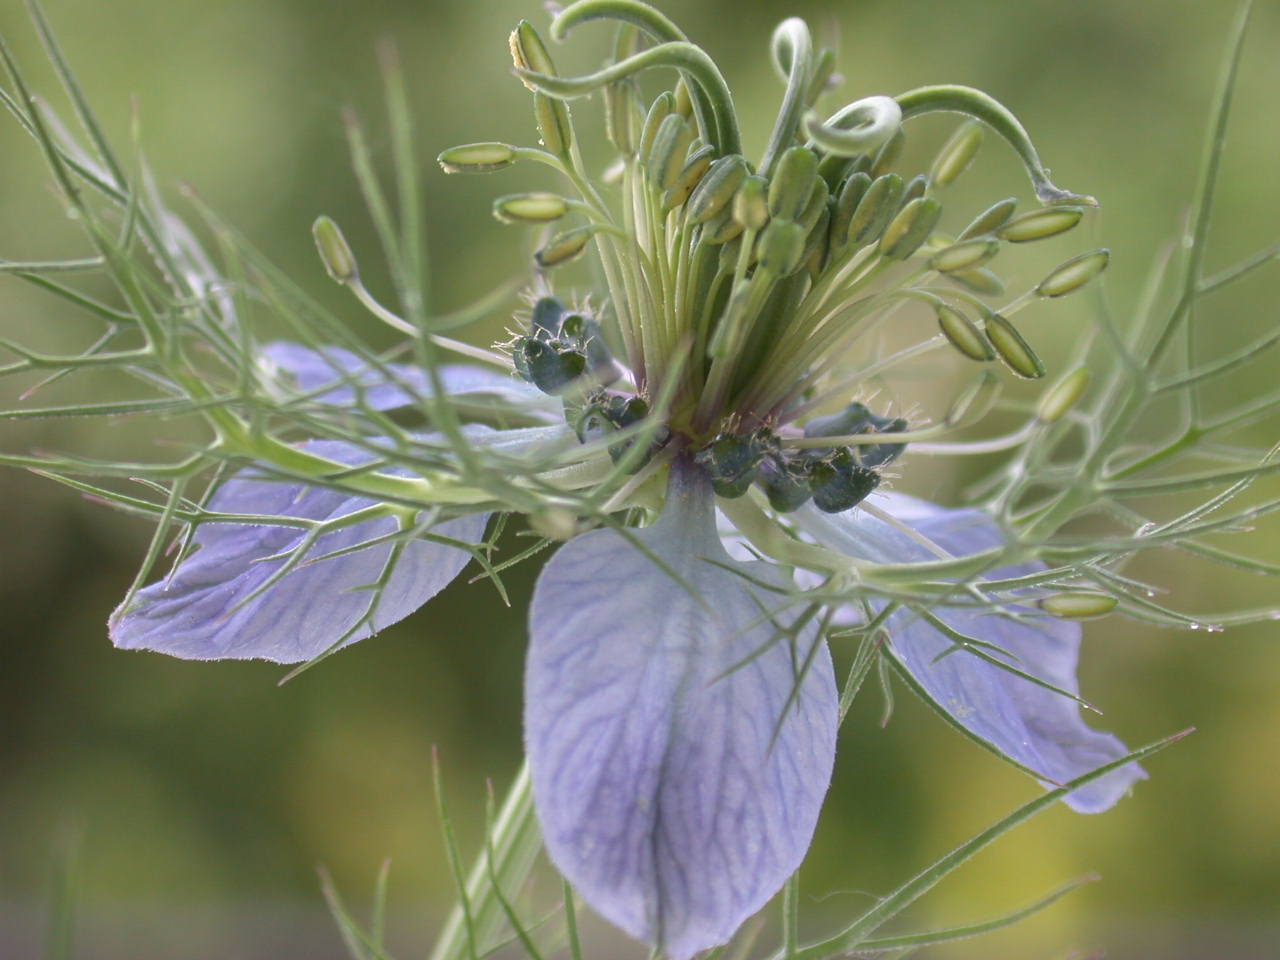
(204,796)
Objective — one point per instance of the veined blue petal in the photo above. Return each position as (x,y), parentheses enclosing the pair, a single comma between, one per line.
(349,375)
(1036,728)
(676,792)
(194,613)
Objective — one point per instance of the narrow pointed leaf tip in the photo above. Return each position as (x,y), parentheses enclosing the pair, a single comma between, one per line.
(1037,726)
(207,609)
(680,748)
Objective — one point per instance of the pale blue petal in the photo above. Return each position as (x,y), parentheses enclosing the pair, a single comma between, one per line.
(1037,728)
(661,796)
(352,378)
(191,615)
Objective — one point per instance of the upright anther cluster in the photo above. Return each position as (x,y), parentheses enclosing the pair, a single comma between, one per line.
(737,290)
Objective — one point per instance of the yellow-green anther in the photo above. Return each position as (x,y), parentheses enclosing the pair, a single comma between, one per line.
(530,208)
(875,209)
(528,52)
(1077,605)
(910,228)
(339,262)
(658,111)
(1074,274)
(781,247)
(979,280)
(963,334)
(990,219)
(816,205)
(750,208)
(730,250)
(670,146)
(620,116)
(717,188)
(721,228)
(792,182)
(888,154)
(1040,224)
(564,247)
(817,243)
(850,194)
(554,523)
(975,401)
(834,169)
(1012,349)
(553,124)
(956,154)
(1058,400)
(684,101)
(689,178)
(965,254)
(477,157)
(915,187)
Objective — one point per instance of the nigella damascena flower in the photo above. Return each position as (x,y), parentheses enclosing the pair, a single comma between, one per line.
(731,455)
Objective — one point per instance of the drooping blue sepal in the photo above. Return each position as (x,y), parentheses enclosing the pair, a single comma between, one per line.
(677,780)
(206,608)
(1037,728)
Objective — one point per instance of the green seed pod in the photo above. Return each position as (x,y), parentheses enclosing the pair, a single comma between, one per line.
(888,154)
(554,129)
(979,280)
(1040,224)
(670,146)
(916,187)
(1058,400)
(716,189)
(1074,274)
(658,111)
(1077,605)
(477,157)
(564,248)
(792,182)
(528,52)
(963,255)
(1012,349)
(782,246)
(620,110)
(530,208)
(816,206)
(990,219)
(851,192)
(689,178)
(749,205)
(339,262)
(910,228)
(963,334)
(875,210)
(956,154)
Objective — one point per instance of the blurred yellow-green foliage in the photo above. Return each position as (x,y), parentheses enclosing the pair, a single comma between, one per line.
(204,795)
